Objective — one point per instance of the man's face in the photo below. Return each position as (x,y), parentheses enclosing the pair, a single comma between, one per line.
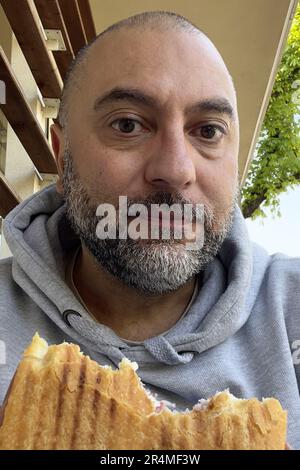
(181,140)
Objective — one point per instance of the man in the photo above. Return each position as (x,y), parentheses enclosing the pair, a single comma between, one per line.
(149,112)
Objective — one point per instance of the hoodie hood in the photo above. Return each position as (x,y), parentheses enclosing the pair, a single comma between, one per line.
(40,239)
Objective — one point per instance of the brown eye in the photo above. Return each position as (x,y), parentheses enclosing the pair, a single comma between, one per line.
(125,125)
(208,132)
(211,133)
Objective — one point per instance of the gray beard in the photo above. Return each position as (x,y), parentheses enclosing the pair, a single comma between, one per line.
(152,267)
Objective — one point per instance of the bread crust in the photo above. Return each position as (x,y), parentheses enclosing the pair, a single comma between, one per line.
(61,399)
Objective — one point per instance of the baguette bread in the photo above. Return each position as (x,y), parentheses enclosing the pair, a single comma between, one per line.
(61,399)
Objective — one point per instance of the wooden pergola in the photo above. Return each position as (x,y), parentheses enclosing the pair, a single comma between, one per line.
(73,19)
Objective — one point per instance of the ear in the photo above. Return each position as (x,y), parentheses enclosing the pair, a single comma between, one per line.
(58,145)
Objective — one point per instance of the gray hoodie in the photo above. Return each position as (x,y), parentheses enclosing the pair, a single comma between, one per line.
(242,332)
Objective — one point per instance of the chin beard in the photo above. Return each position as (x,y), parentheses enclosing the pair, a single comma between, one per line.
(152,267)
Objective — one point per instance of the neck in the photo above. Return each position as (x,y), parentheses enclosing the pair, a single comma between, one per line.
(132,315)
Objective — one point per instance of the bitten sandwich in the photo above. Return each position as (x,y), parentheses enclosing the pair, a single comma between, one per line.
(61,399)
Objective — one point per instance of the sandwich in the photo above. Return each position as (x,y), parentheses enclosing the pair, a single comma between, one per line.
(61,399)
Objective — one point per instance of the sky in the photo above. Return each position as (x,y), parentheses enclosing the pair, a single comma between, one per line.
(279,234)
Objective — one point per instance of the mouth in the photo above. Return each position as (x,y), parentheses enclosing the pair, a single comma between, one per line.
(165,228)
(167,221)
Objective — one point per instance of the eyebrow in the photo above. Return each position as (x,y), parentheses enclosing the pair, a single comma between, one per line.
(216,104)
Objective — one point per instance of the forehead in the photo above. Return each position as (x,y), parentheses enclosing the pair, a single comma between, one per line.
(172,66)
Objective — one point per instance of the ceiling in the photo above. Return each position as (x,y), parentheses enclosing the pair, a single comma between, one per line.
(249,35)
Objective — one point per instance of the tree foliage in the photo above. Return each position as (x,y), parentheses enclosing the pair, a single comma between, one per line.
(276,163)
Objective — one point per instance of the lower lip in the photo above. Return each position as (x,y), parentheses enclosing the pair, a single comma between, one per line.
(161,223)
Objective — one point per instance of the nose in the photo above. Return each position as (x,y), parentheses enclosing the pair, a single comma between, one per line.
(170,165)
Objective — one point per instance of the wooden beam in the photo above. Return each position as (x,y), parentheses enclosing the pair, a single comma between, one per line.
(25,24)
(18,113)
(51,18)
(8,198)
(73,21)
(87,19)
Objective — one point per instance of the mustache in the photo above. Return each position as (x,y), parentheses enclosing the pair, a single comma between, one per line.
(163,197)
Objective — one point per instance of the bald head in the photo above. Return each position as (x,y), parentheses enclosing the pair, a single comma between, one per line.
(158,21)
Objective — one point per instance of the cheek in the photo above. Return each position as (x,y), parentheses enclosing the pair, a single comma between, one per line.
(106,172)
(218,181)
